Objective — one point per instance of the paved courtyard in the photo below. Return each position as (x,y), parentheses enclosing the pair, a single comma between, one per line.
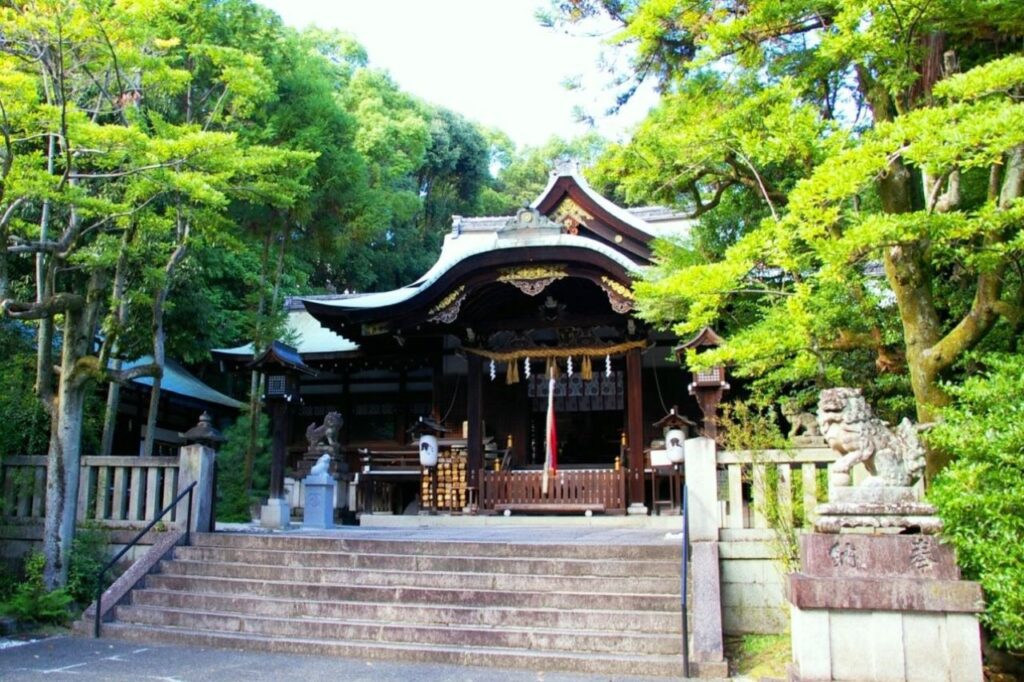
(80,660)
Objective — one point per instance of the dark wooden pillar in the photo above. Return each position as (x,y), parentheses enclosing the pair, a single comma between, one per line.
(402,407)
(635,426)
(279,450)
(438,386)
(346,407)
(521,425)
(474,414)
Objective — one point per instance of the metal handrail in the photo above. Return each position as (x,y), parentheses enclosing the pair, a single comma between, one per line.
(134,541)
(685,576)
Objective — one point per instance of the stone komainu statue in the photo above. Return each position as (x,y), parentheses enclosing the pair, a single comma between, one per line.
(800,423)
(892,457)
(324,438)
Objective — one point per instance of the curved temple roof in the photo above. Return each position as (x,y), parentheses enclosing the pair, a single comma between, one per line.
(568,217)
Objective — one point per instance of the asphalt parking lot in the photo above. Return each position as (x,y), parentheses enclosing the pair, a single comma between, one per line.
(82,659)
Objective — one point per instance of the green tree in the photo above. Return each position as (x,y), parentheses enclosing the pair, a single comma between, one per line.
(100,183)
(523,174)
(892,186)
(981,494)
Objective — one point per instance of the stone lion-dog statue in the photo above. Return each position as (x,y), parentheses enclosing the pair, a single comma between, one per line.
(324,438)
(800,423)
(891,457)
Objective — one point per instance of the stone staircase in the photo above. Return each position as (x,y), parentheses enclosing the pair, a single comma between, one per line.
(583,608)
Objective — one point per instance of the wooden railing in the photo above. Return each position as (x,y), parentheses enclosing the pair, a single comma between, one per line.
(795,478)
(115,490)
(568,490)
(24,487)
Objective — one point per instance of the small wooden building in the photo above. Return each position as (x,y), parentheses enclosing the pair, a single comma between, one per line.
(472,342)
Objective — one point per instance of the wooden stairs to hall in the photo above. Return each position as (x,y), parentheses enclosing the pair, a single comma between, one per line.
(584,608)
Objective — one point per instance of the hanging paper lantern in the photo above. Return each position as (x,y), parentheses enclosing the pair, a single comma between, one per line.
(674,445)
(428,450)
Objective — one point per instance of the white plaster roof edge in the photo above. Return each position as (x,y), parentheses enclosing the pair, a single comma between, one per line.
(310,335)
(454,253)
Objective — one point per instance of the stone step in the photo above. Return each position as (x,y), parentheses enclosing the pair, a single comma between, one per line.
(412,595)
(442,614)
(498,549)
(605,664)
(427,562)
(531,639)
(421,578)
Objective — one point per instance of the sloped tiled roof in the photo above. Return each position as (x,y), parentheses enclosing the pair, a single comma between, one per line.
(178,380)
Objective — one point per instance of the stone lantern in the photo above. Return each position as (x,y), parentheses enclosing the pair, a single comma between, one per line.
(708,385)
(281,367)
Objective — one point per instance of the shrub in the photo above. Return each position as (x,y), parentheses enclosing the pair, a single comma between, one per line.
(88,555)
(31,601)
(980,496)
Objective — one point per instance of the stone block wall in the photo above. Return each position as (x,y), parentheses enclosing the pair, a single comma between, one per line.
(753,587)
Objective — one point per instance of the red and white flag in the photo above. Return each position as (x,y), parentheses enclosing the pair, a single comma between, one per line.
(551,437)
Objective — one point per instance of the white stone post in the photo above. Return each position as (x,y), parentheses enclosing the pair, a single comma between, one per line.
(702,486)
(701,471)
(195,463)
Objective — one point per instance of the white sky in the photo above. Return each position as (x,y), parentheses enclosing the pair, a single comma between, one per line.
(488,60)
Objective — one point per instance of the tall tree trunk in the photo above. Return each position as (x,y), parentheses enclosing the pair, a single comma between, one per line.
(158,334)
(113,403)
(256,381)
(62,475)
(114,387)
(44,289)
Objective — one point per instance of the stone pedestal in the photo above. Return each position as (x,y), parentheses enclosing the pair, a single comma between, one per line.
(875,508)
(318,508)
(882,607)
(275,514)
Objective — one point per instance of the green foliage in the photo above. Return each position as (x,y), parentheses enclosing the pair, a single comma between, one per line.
(524,173)
(750,425)
(31,602)
(980,496)
(233,500)
(759,656)
(753,427)
(88,555)
(24,425)
(857,176)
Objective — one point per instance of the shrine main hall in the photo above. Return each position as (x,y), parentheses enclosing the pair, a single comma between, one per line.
(470,347)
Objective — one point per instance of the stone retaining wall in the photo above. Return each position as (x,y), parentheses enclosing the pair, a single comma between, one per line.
(753,587)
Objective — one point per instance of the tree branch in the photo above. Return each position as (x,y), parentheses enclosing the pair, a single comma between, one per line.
(124,376)
(58,303)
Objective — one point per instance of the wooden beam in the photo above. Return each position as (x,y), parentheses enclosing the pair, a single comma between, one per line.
(635,425)
(279,451)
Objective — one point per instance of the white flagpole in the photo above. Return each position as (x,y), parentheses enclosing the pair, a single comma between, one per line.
(547,432)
